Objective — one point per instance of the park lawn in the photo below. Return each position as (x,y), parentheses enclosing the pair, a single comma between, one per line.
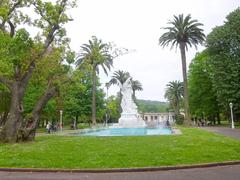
(192,147)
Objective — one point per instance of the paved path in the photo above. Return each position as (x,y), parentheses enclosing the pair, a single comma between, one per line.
(214,173)
(234,133)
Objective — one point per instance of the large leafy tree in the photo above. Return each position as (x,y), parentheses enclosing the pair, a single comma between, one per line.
(202,96)
(19,55)
(77,96)
(223,45)
(174,95)
(183,32)
(114,109)
(96,54)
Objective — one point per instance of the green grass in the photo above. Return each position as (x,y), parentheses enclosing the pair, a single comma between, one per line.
(194,146)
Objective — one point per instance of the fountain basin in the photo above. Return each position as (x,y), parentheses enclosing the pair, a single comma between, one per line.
(125,132)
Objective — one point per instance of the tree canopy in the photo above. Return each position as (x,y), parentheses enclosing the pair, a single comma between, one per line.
(223,44)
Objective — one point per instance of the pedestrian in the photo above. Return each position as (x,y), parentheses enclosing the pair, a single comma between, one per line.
(48,128)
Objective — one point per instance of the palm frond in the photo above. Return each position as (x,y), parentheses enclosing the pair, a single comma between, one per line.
(95,54)
(119,77)
(182,30)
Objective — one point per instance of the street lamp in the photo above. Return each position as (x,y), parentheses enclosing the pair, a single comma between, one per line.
(231,106)
(61,123)
(106,115)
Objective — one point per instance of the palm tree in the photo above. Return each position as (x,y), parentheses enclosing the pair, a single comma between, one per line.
(136,86)
(182,33)
(174,94)
(96,54)
(119,78)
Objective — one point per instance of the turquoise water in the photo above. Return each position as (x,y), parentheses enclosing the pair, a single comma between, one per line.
(125,132)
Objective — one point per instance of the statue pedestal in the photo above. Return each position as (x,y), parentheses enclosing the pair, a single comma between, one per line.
(131,120)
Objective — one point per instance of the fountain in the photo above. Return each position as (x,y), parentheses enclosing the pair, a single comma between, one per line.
(129,116)
(130,122)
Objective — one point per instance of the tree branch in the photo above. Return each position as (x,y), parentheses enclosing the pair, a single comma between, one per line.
(28,73)
(51,92)
(47,43)
(63,5)
(41,13)
(6,82)
(49,39)
(27,132)
(14,7)
(12,28)
(2,25)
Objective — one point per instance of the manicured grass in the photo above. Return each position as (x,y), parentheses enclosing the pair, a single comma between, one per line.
(193,146)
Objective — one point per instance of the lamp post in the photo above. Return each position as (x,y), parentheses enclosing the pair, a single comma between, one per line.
(231,106)
(107,87)
(61,123)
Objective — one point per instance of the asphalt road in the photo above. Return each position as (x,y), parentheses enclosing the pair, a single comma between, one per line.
(214,173)
(227,131)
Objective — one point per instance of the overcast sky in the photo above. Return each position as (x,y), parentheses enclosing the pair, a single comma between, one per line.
(135,24)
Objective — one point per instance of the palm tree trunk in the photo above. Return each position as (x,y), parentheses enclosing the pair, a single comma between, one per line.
(187,120)
(178,108)
(94,97)
(134,97)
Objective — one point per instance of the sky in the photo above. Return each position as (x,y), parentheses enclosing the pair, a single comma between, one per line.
(136,25)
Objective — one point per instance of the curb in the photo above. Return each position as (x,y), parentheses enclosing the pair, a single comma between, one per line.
(116,170)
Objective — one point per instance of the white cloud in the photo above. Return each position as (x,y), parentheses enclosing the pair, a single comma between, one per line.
(135,24)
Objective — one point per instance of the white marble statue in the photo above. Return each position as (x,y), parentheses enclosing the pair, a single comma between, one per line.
(127,103)
(129,116)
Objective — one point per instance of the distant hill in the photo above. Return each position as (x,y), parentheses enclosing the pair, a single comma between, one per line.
(152,106)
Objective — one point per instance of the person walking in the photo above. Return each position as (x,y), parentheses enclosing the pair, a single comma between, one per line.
(48,128)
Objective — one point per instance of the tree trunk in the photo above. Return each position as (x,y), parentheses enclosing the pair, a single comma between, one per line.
(3,119)
(134,97)
(94,79)
(76,122)
(120,99)
(218,119)
(177,107)
(187,120)
(176,111)
(28,130)
(15,117)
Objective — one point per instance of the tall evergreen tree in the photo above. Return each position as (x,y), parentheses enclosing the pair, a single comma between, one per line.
(184,32)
